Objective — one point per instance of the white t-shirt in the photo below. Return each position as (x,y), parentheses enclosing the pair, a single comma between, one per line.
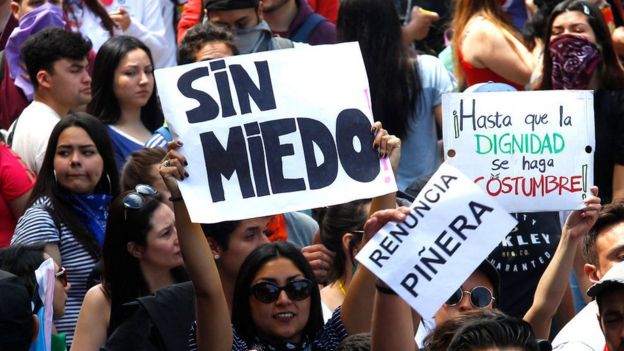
(582,333)
(32,131)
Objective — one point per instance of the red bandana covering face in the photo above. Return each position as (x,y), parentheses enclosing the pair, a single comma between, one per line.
(574,61)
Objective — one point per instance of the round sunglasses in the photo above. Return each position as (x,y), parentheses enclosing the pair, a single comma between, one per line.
(268,292)
(480,297)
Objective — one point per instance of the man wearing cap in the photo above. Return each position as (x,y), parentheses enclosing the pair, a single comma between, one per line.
(609,296)
(244,18)
(18,325)
(603,247)
(295,20)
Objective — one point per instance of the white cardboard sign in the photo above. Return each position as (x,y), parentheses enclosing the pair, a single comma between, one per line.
(452,228)
(274,132)
(532,151)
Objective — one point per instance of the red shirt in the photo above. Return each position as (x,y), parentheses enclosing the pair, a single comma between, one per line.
(15,180)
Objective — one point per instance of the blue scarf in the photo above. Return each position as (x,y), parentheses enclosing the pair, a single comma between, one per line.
(93,208)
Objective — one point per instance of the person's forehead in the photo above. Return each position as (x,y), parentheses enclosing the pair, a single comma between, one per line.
(570,17)
(477,278)
(610,237)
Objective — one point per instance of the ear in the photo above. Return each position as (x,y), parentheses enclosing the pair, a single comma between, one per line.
(346,240)
(259,10)
(43,79)
(135,250)
(216,249)
(591,272)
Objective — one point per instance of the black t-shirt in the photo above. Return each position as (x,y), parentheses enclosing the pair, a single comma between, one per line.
(522,257)
(609,127)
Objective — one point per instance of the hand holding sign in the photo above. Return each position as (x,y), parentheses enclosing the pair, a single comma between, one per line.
(429,251)
(579,222)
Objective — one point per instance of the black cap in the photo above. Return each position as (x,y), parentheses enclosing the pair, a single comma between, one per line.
(16,317)
(225,5)
(492,274)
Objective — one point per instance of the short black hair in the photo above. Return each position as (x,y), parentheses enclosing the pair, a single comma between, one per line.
(610,214)
(200,35)
(220,232)
(43,49)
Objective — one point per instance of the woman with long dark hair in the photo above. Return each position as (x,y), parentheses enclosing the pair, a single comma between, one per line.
(405,88)
(124,94)
(141,255)
(68,207)
(579,54)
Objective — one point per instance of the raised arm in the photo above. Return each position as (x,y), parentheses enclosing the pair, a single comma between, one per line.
(554,281)
(357,308)
(214,328)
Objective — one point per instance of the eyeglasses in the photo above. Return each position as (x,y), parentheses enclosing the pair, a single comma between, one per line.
(136,199)
(62,276)
(268,292)
(480,297)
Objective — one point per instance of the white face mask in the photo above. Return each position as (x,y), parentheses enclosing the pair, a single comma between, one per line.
(253,39)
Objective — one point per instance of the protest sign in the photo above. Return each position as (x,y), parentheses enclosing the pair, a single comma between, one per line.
(451,229)
(533,151)
(274,132)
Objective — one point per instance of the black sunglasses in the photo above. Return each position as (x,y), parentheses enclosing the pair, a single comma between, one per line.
(267,292)
(480,297)
(136,199)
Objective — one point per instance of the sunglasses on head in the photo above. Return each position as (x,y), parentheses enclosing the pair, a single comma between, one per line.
(267,292)
(62,276)
(480,297)
(136,199)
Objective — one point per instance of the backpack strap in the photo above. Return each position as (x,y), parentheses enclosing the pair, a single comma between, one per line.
(302,34)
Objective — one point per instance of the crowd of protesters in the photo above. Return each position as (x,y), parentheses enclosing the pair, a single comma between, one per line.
(89,174)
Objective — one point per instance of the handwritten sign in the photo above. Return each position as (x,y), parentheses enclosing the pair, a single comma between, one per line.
(451,229)
(274,132)
(533,151)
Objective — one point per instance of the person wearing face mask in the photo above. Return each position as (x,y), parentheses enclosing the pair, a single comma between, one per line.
(579,54)
(244,18)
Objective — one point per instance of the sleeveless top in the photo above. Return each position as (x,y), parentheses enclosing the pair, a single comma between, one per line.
(475,75)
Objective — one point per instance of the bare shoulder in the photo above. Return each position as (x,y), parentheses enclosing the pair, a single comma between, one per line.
(96,299)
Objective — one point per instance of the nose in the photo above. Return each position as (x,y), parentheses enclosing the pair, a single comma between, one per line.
(144,78)
(75,158)
(86,77)
(283,298)
(464,304)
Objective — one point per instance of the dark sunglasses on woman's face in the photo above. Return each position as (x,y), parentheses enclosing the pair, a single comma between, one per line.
(62,276)
(268,292)
(480,297)
(136,199)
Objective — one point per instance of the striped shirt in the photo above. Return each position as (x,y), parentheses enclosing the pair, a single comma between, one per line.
(37,225)
(327,339)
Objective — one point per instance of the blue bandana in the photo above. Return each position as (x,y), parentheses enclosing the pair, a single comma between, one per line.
(93,209)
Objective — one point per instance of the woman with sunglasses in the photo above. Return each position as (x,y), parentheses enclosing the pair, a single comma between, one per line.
(141,255)
(480,290)
(68,207)
(292,319)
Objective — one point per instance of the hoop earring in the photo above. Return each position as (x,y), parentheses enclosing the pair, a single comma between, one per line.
(54,173)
